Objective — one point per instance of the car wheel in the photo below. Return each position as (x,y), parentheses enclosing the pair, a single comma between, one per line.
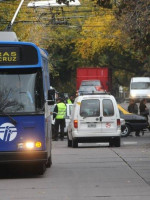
(126,130)
(74,143)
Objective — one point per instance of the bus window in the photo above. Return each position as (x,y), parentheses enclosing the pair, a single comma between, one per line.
(21,95)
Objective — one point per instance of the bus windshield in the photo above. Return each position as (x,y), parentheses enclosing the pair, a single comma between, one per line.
(21,91)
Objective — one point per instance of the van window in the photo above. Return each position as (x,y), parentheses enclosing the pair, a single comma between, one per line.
(90,108)
(140,85)
(108,108)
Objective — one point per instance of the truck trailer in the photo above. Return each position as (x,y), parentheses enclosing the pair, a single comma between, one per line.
(104,74)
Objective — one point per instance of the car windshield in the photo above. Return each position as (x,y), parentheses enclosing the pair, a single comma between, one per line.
(91,83)
(140,85)
(87,89)
(90,108)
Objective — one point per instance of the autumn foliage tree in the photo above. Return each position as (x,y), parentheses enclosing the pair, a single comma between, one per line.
(135,18)
(112,33)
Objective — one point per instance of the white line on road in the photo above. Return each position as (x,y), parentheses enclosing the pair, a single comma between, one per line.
(131,143)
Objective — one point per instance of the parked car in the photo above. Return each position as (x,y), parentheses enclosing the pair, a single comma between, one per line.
(68,113)
(94,118)
(133,122)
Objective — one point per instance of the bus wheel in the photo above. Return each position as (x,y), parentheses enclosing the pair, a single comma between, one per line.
(49,162)
(41,167)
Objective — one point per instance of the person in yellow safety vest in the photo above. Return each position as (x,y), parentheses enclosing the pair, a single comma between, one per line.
(59,115)
(70,100)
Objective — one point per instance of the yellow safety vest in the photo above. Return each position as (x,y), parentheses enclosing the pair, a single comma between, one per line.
(69,101)
(61,111)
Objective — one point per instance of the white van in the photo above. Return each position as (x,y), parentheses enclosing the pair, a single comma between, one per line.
(94,118)
(140,88)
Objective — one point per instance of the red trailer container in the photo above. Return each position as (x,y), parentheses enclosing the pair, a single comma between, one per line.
(103,74)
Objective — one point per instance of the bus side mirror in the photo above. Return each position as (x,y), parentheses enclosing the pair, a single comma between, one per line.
(51,97)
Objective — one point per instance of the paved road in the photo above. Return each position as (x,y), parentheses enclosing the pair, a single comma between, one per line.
(89,172)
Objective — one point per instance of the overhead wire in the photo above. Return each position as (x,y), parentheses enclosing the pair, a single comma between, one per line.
(43,16)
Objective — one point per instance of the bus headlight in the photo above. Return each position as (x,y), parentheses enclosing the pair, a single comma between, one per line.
(29,145)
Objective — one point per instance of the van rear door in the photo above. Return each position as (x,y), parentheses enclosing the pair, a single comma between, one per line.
(108,117)
(89,116)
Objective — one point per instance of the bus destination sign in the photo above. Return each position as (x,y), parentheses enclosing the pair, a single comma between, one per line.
(9,55)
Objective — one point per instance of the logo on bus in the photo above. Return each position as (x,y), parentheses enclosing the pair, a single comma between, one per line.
(8,132)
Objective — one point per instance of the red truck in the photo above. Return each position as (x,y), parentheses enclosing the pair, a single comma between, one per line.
(103,74)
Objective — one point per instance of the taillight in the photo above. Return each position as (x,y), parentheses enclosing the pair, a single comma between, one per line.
(99,88)
(118,122)
(75,123)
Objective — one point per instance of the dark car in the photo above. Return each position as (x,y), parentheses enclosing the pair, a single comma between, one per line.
(133,122)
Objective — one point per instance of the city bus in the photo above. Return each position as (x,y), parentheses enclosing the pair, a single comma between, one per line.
(25,99)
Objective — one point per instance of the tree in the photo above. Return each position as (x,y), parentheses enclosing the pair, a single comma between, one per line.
(136,24)
(113,33)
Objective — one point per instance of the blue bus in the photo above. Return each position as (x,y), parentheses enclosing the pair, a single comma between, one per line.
(25,96)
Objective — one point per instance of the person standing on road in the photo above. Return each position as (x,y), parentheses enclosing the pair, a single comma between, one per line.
(59,116)
(70,100)
(133,108)
(144,111)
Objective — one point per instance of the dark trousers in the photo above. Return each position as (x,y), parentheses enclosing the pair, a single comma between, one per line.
(59,123)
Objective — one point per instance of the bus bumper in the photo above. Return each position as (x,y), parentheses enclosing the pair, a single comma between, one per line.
(23,157)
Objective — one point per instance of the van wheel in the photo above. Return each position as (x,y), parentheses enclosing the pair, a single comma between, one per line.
(74,143)
(111,143)
(69,143)
(126,130)
(117,142)
(49,162)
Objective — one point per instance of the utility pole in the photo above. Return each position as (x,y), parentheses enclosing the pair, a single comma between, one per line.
(9,27)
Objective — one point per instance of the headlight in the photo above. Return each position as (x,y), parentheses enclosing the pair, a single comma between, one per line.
(29,145)
(133,95)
